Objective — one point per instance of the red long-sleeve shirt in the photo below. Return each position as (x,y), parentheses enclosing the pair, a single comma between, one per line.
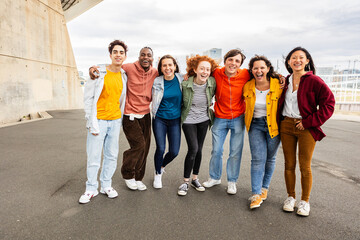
(229,102)
(316,103)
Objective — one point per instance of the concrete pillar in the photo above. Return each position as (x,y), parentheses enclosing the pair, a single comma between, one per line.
(38,70)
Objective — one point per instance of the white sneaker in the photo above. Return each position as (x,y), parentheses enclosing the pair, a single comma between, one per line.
(303,208)
(86,197)
(140,186)
(289,204)
(110,192)
(211,182)
(131,183)
(231,189)
(157,181)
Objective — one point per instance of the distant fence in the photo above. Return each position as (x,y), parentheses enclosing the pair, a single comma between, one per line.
(346,88)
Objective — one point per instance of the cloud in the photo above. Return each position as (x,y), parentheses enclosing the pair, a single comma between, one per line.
(327,28)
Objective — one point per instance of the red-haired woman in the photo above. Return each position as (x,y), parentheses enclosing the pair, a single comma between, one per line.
(196,116)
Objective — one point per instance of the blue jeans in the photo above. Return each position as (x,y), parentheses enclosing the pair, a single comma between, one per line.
(263,154)
(219,131)
(161,128)
(108,139)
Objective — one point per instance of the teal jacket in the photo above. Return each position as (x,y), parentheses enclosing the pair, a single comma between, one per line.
(188,94)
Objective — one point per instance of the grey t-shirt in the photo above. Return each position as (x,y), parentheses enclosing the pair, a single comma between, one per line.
(199,107)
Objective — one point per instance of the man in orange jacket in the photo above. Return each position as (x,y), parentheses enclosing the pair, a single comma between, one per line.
(229,115)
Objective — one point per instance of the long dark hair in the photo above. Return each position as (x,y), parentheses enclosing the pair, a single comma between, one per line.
(169,57)
(309,67)
(271,72)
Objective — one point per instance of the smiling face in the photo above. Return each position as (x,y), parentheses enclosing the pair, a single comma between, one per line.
(168,68)
(118,55)
(232,64)
(146,58)
(259,70)
(298,61)
(202,71)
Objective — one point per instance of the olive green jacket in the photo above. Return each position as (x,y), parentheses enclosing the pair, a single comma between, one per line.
(188,94)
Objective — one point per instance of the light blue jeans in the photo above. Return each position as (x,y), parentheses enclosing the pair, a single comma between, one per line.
(263,154)
(219,130)
(108,139)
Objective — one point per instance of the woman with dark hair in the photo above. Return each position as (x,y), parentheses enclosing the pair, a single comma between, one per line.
(261,95)
(196,115)
(305,104)
(166,112)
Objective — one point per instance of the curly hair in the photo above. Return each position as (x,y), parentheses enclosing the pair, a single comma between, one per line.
(271,72)
(117,42)
(193,62)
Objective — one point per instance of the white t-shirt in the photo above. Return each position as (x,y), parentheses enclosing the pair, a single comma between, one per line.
(260,103)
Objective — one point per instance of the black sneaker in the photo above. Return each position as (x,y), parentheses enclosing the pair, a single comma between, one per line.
(197,185)
(183,189)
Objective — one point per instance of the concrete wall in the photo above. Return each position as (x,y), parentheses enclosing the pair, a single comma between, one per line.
(37,66)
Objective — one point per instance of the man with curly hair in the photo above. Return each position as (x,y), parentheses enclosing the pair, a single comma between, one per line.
(104,101)
(137,120)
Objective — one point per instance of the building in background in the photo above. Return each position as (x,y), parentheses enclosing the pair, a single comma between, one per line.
(324,70)
(215,53)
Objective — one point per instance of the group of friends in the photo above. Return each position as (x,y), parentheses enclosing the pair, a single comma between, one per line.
(272,108)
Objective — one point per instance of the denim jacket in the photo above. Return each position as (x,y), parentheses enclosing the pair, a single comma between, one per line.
(93,89)
(158,92)
(188,94)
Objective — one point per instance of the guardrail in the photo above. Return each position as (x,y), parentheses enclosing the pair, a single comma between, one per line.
(346,87)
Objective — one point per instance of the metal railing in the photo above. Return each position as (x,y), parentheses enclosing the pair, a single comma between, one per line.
(346,87)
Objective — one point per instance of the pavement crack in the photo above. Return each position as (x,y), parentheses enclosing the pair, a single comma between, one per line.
(61,187)
(67,183)
(335,171)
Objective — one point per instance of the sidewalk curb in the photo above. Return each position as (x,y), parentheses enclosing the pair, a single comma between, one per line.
(43,116)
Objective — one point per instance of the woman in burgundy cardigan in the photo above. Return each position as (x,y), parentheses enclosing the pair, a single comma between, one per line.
(305,104)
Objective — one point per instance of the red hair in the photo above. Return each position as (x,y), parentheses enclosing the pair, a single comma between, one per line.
(193,63)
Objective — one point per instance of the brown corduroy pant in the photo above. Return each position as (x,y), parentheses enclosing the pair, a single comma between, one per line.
(138,134)
(290,138)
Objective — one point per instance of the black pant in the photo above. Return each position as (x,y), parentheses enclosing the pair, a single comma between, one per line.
(195,136)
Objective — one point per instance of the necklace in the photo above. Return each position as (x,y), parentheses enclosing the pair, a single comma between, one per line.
(296,84)
(263,91)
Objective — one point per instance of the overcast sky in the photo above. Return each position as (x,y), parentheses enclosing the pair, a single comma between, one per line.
(329,29)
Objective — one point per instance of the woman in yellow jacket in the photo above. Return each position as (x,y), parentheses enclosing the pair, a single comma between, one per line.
(261,95)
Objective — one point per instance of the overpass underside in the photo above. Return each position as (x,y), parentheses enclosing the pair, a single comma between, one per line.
(38,70)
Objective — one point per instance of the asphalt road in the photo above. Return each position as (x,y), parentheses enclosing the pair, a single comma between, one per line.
(43,174)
